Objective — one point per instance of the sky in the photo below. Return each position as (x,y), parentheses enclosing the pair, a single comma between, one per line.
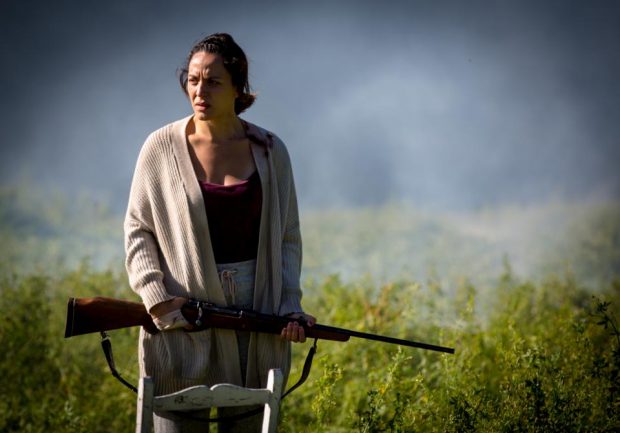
(442,104)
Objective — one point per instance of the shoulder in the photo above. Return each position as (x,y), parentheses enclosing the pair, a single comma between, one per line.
(272,142)
(158,144)
(161,137)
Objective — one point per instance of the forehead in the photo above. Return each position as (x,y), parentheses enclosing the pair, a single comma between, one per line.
(203,62)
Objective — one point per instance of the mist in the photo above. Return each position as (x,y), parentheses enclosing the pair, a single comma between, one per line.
(444,105)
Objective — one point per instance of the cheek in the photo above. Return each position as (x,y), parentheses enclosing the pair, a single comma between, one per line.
(192,91)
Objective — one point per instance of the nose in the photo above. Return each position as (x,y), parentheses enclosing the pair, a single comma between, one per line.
(201,87)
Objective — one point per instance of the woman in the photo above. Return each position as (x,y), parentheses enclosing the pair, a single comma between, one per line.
(212,215)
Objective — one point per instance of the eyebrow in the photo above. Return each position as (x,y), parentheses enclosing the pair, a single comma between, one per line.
(195,74)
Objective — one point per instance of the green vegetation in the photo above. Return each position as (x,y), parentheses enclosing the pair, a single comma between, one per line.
(50,384)
(536,334)
(547,359)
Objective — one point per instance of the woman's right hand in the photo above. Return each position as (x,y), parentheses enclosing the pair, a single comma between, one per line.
(167,315)
(163,308)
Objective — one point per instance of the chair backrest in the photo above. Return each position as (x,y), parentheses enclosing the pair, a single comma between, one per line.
(202,397)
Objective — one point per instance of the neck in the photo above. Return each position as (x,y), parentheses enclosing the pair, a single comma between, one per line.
(219,129)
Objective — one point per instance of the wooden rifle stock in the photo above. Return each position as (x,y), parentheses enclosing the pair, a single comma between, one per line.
(87,315)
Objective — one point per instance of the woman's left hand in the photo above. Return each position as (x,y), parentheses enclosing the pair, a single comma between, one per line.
(294,331)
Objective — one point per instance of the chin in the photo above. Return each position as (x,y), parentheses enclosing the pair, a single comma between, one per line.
(201,115)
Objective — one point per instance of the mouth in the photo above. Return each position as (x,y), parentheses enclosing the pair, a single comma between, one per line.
(201,105)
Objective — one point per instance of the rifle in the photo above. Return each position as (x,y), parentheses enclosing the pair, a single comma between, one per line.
(100,314)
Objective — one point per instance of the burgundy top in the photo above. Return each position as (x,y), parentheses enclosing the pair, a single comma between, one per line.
(233,213)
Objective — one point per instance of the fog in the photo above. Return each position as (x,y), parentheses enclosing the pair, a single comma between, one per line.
(445,105)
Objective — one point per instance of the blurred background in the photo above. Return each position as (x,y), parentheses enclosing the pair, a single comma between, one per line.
(446,104)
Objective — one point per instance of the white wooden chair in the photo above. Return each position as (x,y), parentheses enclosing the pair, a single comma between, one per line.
(202,397)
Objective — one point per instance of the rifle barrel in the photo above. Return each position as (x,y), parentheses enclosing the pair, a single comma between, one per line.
(274,324)
(385,339)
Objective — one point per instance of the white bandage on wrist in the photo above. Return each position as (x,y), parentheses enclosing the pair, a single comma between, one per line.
(171,320)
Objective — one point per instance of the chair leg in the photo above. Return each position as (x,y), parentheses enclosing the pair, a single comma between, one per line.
(272,408)
(144,413)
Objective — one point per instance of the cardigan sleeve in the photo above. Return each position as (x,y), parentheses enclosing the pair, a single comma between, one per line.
(291,236)
(141,247)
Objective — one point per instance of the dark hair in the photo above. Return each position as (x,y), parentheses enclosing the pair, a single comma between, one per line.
(235,62)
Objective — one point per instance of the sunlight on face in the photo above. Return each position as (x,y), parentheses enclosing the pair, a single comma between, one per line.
(209,87)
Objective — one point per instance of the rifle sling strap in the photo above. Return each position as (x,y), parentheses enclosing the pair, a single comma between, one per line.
(306,370)
(106,345)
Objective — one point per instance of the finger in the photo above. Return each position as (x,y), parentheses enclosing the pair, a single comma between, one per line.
(294,328)
(298,334)
(301,335)
(287,334)
(287,331)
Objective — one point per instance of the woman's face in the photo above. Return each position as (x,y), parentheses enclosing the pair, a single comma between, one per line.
(209,87)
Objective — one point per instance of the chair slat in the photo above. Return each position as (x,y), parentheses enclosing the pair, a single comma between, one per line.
(222,395)
(202,397)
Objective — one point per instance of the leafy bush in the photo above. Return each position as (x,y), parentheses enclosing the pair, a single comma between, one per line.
(49,383)
(544,360)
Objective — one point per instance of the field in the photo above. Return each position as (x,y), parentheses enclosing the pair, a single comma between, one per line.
(528,295)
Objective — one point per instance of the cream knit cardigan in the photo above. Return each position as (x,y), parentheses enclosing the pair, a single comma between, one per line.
(169,253)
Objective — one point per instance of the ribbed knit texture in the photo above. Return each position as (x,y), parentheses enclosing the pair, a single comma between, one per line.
(169,254)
